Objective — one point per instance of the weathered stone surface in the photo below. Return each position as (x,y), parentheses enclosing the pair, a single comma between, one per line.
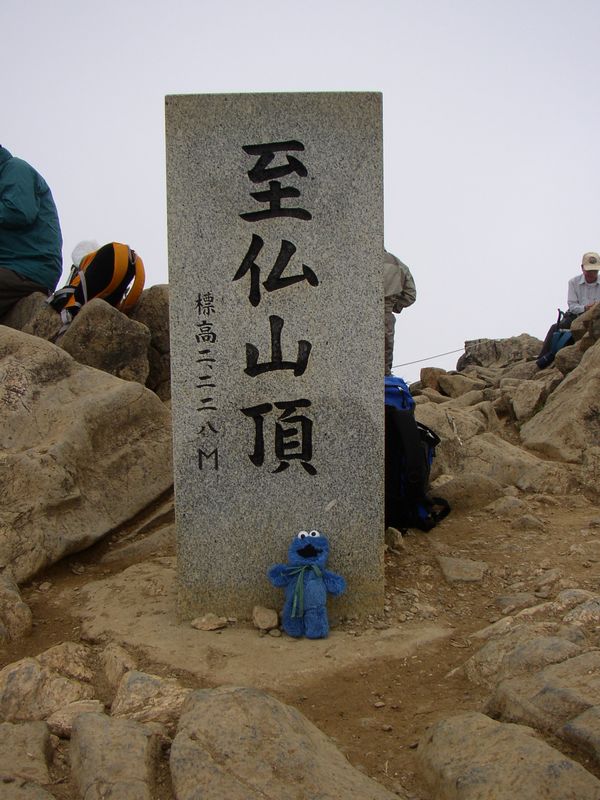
(116,661)
(456,385)
(507,506)
(513,602)
(149,698)
(152,310)
(585,613)
(567,359)
(71,437)
(471,757)
(527,398)
(468,446)
(552,697)
(242,744)
(29,691)
(568,423)
(112,758)
(457,570)
(523,649)
(584,733)
(25,752)
(265,619)
(470,490)
(103,337)
(429,377)
(20,789)
(25,311)
(469,398)
(528,522)
(209,622)
(15,615)
(61,722)
(500,352)
(70,659)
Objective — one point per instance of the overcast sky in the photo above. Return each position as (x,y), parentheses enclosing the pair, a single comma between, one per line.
(491,120)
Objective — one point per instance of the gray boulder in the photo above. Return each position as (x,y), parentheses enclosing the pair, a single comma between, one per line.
(471,757)
(82,452)
(113,758)
(500,352)
(100,336)
(152,310)
(242,744)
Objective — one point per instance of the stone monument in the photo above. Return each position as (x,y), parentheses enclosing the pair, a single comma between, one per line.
(275,217)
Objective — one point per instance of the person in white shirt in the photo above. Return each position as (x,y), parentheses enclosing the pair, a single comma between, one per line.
(584,289)
(583,294)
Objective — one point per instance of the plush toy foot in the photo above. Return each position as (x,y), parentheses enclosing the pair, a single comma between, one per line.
(293,626)
(316,624)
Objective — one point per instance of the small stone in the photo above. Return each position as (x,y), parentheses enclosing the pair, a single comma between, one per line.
(379,704)
(77,569)
(275,632)
(45,586)
(209,622)
(386,728)
(264,618)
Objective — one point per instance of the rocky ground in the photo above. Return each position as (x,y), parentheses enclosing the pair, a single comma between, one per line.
(480,680)
(374,689)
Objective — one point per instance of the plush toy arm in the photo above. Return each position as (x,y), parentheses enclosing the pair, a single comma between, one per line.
(277,576)
(334,584)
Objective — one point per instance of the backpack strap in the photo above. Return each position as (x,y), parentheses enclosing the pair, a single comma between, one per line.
(133,295)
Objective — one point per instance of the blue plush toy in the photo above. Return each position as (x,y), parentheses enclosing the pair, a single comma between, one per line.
(306,583)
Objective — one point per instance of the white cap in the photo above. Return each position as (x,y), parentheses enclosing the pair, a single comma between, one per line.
(82,249)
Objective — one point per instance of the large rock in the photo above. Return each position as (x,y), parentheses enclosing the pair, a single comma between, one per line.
(15,615)
(113,758)
(80,453)
(500,352)
(152,310)
(30,691)
(568,427)
(25,752)
(471,757)
(100,336)
(149,698)
(25,311)
(242,744)
(468,446)
(551,697)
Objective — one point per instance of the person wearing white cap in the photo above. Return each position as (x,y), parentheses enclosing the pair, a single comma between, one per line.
(584,289)
(583,294)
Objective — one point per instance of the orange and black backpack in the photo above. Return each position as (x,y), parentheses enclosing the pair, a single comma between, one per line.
(114,273)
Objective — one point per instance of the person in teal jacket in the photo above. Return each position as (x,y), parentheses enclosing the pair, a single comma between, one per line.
(30,236)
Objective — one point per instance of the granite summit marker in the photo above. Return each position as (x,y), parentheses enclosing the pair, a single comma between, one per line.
(275,217)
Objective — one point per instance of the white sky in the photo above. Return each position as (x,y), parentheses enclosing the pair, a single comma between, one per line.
(491,131)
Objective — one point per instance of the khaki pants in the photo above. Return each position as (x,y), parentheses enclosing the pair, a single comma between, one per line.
(390,322)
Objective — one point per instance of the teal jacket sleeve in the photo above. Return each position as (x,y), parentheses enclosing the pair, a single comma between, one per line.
(20,193)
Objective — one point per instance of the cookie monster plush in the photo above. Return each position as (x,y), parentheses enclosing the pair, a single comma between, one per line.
(306,583)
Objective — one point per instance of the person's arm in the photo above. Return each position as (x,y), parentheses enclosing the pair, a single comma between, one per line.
(19,200)
(408,295)
(573,302)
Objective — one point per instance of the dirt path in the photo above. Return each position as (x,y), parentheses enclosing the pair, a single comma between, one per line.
(373,688)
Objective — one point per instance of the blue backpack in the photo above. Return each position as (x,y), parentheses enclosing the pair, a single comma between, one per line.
(409,453)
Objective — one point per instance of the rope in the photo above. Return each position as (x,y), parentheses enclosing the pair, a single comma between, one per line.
(429,358)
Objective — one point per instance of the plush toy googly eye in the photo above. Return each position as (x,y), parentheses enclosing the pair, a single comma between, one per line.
(302,535)
(314,533)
